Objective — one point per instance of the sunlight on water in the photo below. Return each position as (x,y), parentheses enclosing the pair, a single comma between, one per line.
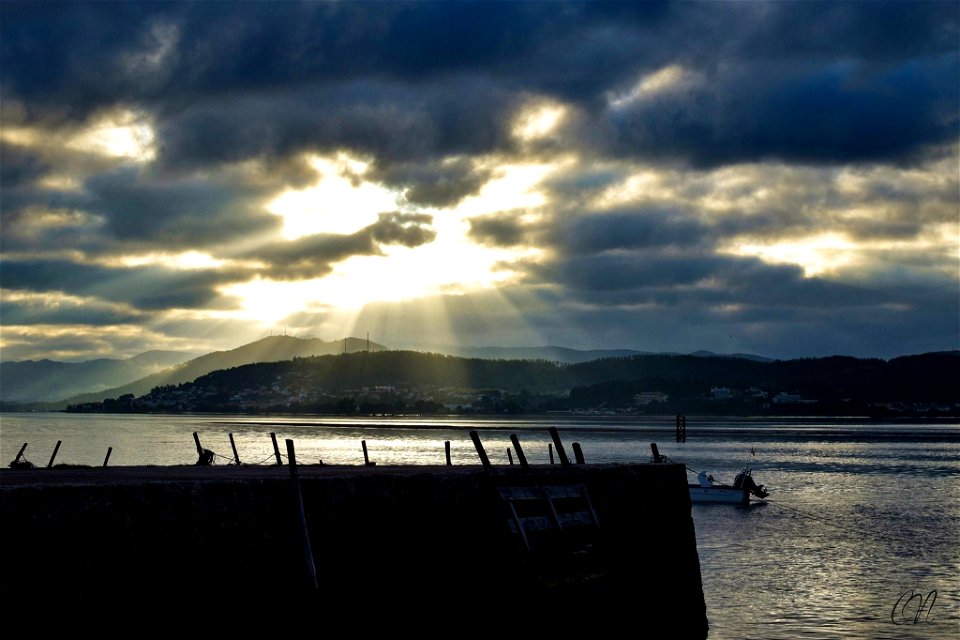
(860,514)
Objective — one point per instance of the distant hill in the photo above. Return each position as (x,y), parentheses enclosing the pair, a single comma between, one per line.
(548,353)
(743,356)
(564,354)
(47,380)
(405,381)
(271,349)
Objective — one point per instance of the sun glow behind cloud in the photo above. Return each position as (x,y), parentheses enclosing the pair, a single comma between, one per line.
(815,255)
(538,121)
(451,264)
(340,202)
(122,134)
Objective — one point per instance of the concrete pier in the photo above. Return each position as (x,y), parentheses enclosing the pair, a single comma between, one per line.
(388,537)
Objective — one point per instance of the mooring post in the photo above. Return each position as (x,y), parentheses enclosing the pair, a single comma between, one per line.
(20,453)
(107,459)
(550,451)
(516,445)
(205,455)
(560,452)
(446,448)
(276,449)
(366,456)
(53,457)
(236,456)
(484,460)
(510,456)
(578,453)
(656,452)
(305,547)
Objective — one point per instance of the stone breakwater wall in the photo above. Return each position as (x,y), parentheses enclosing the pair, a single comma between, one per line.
(382,537)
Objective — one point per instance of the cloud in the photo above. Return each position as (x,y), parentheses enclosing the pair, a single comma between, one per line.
(426,80)
(633,230)
(834,113)
(145,288)
(314,255)
(769,171)
(180,213)
(24,309)
(18,166)
(437,183)
(499,229)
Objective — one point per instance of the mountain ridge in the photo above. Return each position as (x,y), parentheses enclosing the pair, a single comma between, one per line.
(51,380)
(269,349)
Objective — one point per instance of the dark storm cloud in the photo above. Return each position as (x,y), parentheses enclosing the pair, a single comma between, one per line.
(88,51)
(834,113)
(875,31)
(851,81)
(633,230)
(313,256)
(176,214)
(618,271)
(19,166)
(391,122)
(144,288)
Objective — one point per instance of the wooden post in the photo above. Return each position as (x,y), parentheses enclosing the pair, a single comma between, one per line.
(196,439)
(560,452)
(578,453)
(55,449)
(550,450)
(20,453)
(446,448)
(107,459)
(656,452)
(305,547)
(484,460)
(366,457)
(516,445)
(236,456)
(510,456)
(276,449)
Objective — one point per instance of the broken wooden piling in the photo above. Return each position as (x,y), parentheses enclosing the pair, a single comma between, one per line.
(54,456)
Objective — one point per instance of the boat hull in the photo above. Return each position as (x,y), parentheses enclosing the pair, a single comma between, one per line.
(728,495)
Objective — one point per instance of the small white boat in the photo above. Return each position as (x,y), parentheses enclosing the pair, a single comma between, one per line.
(707,490)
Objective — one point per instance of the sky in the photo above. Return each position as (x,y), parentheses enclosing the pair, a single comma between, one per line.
(772,178)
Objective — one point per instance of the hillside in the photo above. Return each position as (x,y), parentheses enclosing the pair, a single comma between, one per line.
(564,355)
(271,349)
(550,353)
(404,381)
(48,380)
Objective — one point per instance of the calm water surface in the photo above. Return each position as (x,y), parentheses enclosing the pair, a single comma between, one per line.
(860,513)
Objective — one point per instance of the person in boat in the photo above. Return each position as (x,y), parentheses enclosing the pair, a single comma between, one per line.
(704,479)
